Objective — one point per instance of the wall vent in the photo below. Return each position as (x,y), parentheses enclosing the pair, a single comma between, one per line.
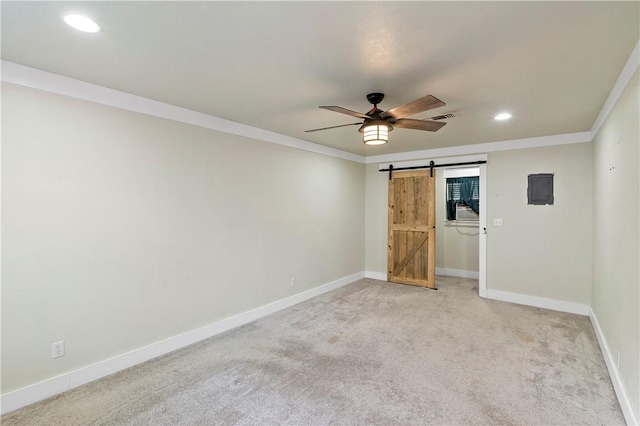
(443,116)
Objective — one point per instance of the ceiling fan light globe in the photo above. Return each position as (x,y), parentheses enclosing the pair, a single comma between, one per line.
(375,134)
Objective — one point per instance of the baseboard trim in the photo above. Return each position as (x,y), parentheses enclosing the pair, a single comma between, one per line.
(623,399)
(447,272)
(382,276)
(47,388)
(539,302)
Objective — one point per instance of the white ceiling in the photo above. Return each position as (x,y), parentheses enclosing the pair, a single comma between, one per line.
(270,64)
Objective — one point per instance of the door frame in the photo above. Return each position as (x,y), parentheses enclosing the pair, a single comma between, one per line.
(482,221)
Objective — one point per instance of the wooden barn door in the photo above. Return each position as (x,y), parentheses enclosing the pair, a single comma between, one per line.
(412,243)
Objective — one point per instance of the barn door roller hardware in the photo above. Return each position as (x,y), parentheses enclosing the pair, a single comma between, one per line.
(430,166)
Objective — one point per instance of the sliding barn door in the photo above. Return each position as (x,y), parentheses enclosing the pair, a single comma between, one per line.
(412,231)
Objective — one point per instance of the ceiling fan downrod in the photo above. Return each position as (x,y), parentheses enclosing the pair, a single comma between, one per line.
(375,99)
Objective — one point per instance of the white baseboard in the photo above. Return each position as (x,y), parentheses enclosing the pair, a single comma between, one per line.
(447,272)
(576,308)
(382,276)
(623,399)
(47,388)
(539,302)
(33,393)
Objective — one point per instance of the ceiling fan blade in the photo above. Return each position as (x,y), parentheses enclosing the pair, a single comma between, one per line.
(430,126)
(333,127)
(419,105)
(345,111)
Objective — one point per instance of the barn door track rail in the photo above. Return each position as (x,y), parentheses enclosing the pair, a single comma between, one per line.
(432,165)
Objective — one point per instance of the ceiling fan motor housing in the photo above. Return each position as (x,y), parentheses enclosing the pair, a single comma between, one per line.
(375,98)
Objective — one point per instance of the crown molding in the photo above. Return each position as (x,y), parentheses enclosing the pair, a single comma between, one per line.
(482,148)
(625,76)
(627,73)
(54,83)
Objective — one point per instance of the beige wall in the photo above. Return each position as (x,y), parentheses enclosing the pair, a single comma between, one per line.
(457,247)
(542,251)
(616,252)
(376,208)
(121,229)
(460,248)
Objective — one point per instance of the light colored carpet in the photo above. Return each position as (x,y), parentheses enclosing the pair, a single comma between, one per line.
(368,353)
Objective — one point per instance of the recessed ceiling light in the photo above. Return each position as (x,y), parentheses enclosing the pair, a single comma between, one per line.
(82,23)
(503,116)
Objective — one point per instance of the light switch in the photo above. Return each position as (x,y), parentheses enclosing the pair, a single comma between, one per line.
(497,221)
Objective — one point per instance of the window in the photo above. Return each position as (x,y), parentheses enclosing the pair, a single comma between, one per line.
(463,199)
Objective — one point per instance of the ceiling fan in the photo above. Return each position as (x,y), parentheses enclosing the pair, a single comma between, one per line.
(378,123)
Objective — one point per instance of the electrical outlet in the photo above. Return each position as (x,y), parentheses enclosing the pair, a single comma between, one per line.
(293,281)
(57,349)
(497,221)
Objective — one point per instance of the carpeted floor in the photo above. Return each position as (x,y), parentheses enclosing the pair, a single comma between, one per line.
(368,353)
